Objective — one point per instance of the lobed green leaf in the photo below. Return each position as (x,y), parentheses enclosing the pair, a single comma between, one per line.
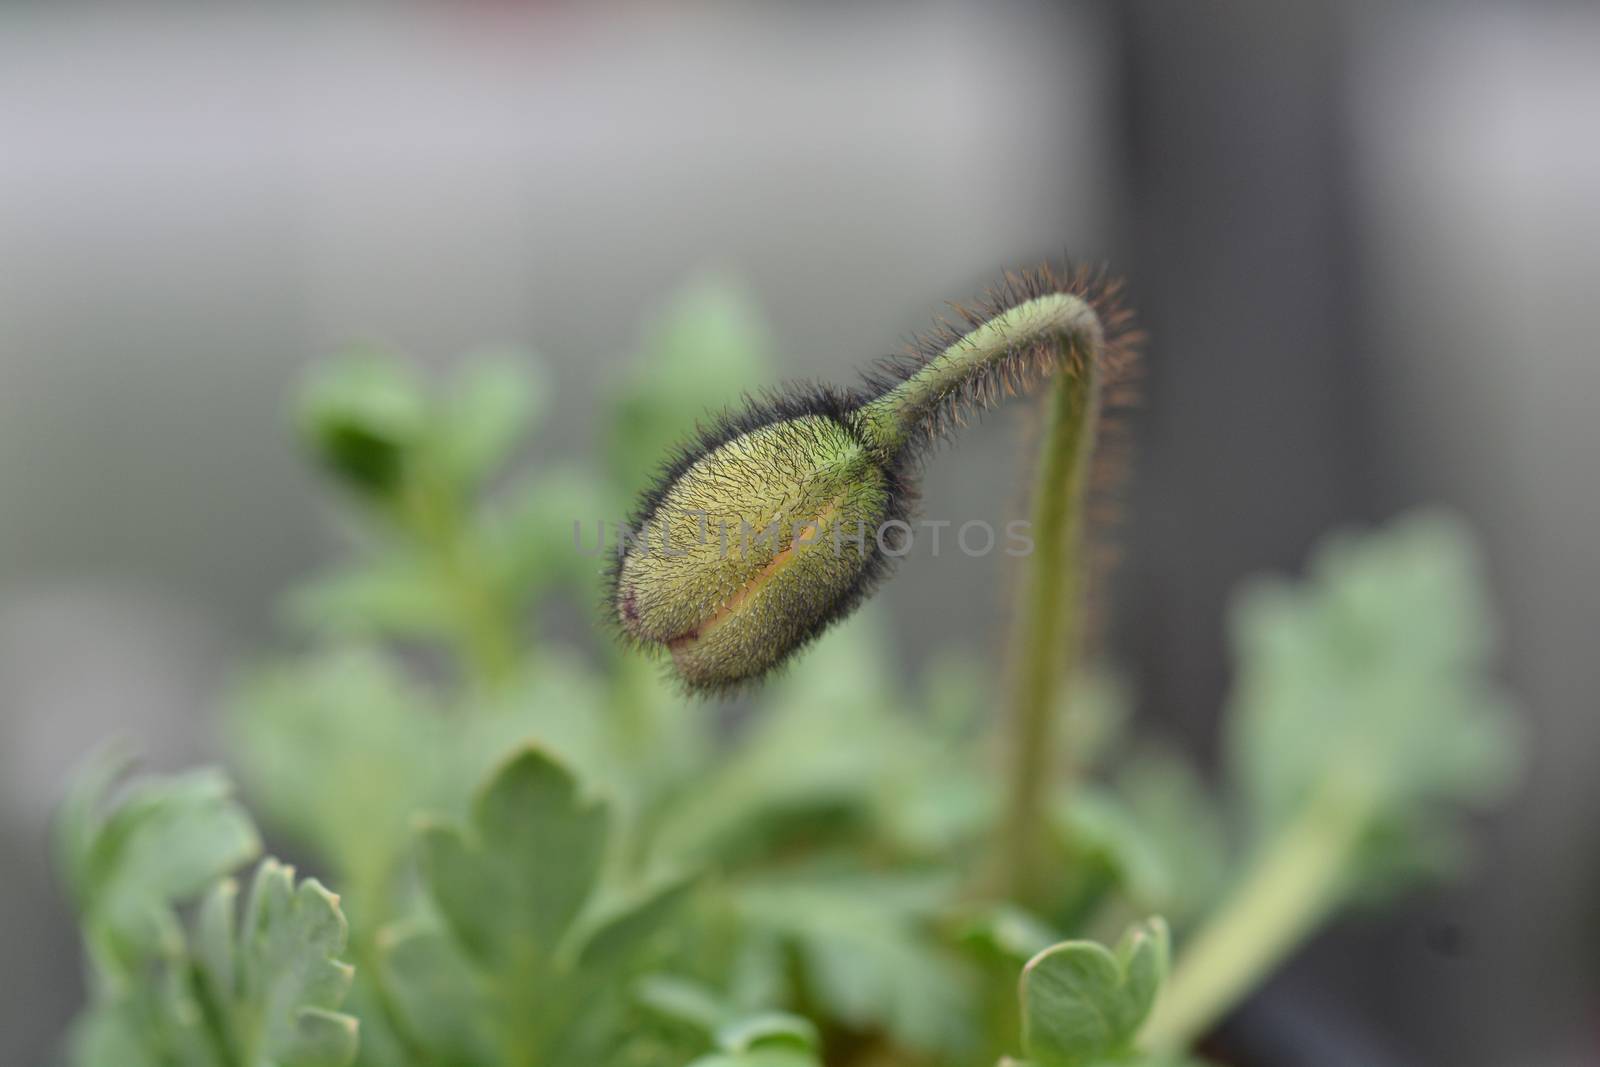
(1374,674)
(510,885)
(272,974)
(1083,1003)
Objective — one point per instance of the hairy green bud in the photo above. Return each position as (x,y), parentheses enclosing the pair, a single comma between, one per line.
(751,545)
(781,517)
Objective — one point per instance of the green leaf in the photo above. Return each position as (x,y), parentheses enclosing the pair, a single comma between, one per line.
(364,415)
(838,708)
(1374,674)
(1155,831)
(623,932)
(273,974)
(1005,932)
(130,859)
(386,592)
(932,798)
(550,954)
(560,705)
(492,403)
(435,993)
(768,1030)
(340,751)
(868,955)
(1095,710)
(767,1039)
(683,1001)
(1083,1003)
(510,885)
(82,815)
(1181,829)
(382,1041)
(760,1057)
(114,1035)
(531,540)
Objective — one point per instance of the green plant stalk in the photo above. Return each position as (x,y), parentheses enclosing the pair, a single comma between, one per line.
(1062,318)
(486,638)
(1293,886)
(1051,622)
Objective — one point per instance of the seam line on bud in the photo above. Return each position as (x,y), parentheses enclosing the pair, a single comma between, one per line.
(773,566)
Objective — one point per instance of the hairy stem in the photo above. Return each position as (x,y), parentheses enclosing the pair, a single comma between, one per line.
(1055,320)
(1286,893)
(1051,621)
(1057,333)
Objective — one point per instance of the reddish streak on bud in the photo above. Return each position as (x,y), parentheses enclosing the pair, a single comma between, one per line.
(774,566)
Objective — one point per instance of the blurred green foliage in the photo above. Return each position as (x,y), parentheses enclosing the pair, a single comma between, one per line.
(254,989)
(549,858)
(1371,680)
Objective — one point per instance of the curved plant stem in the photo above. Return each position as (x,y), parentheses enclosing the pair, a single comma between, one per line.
(1058,320)
(1051,621)
(1285,894)
(1066,327)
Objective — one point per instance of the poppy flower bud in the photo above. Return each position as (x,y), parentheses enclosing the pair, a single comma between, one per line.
(779,520)
(755,546)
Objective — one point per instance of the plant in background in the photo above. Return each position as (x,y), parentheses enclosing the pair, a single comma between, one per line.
(549,858)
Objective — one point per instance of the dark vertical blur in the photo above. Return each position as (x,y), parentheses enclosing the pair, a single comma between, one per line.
(1362,240)
(1256,432)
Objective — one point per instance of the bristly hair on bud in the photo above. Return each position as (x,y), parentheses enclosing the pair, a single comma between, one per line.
(778,518)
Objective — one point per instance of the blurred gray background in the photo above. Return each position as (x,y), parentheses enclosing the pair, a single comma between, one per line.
(1365,240)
